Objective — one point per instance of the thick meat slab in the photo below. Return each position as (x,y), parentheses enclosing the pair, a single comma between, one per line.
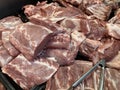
(9,23)
(48,24)
(96,50)
(113,26)
(51,11)
(66,76)
(27,74)
(4,56)
(66,55)
(6,43)
(30,39)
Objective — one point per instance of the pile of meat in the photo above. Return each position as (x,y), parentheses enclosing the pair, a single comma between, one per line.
(62,41)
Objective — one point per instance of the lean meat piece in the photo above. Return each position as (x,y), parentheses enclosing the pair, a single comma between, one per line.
(67,75)
(48,24)
(89,47)
(115,62)
(2,87)
(6,43)
(112,79)
(67,55)
(100,11)
(91,28)
(81,2)
(4,56)
(51,11)
(113,26)
(30,39)
(9,23)
(71,24)
(94,29)
(30,73)
(109,49)
(106,49)
(63,56)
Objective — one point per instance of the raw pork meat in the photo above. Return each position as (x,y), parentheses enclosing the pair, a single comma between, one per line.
(51,12)
(67,55)
(100,11)
(6,43)
(4,56)
(59,41)
(113,26)
(67,75)
(115,62)
(30,73)
(9,23)
(2,87)
(112,79)
(30,39)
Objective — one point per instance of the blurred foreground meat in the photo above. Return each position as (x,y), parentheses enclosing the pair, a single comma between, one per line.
(2,87)
(68,52)
(114,26)
(28,74)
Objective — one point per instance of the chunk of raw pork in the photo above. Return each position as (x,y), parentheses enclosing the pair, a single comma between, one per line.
(30,73)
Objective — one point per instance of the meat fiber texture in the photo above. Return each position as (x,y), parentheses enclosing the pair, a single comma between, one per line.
(5,57)
(51,11)
(97,42)
(63,45)
(52,38)
(2,86)
(7,25)
(30,73)
(114,25)
(99,9)
(65,53)
(66,76)
(30,39)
